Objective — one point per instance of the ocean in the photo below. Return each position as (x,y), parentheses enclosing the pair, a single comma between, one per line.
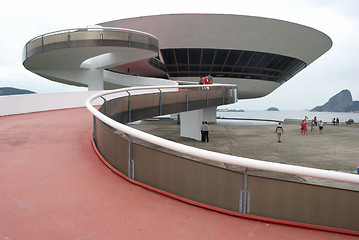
(326,117)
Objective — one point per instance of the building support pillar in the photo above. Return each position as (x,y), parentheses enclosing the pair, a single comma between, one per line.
(95,79)
(210,114)
(191,121)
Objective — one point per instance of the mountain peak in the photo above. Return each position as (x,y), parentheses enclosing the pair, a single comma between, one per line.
(341,102)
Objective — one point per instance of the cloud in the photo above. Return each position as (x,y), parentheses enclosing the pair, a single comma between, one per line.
(334,71)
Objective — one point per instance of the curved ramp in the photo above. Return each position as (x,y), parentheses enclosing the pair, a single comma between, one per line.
(53,186)
(81,56)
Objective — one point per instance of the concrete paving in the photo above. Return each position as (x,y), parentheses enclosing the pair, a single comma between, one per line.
(336,148)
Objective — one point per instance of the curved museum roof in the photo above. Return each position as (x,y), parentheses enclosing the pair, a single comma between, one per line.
(258,54)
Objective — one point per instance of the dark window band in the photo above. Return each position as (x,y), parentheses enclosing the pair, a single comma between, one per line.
(195,62)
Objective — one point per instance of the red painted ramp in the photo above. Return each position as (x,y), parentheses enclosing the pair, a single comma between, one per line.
(53,186)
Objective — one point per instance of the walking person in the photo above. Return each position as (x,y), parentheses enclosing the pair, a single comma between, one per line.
(312,125)
(321,125)
(210,79)
(201,82)
(279,130)
(206,80)
(303,127)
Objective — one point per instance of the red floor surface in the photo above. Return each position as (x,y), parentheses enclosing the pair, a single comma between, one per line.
(53,186)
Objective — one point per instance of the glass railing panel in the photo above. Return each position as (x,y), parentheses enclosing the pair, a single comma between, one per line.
(115,35)
(88,35)
(34,44)
(173,102)
(62,37)
(136,37)
(145,101)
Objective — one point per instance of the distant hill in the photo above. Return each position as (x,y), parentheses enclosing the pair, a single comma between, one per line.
(341,102)
(13,91)
(272,109)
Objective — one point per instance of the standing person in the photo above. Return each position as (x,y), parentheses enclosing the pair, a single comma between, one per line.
(333,121)
(321,125)
(312,124)
(205,132)
(279,130)
(210,79)
(337,121)
(303,127)
(201,82)
(315,121)
(202,131)
(206,80)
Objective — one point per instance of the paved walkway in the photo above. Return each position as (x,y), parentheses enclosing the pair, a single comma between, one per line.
(53,186)
(337,148)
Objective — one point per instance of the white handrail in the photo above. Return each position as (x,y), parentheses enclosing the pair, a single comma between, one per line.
(215,156)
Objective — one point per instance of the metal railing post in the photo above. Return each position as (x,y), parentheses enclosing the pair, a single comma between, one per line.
(131,162)
(222,95)
(245,190)
(129,106)
(129,39)
(187,99)
(94,133)
(207,96)
(42,43)
(246,194)
(105,105)
(68,39)
(244,197)
(160,102)
(234,94)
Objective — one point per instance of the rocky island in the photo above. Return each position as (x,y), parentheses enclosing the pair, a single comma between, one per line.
(272,109)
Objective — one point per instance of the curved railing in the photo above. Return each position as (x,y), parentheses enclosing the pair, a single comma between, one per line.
(86,37)
(214,156)
(207,185)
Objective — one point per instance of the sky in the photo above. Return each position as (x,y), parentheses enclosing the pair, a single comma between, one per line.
(336,70)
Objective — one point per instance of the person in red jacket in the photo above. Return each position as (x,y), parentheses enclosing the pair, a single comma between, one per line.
(206,80)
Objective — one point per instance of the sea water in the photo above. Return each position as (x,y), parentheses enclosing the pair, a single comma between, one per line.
(247,116)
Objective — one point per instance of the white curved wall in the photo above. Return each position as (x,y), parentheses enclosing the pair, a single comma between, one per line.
(27,103)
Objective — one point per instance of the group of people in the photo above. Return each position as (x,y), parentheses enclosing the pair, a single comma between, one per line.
(314,123)
(303,127)
(206,80)
(335,121)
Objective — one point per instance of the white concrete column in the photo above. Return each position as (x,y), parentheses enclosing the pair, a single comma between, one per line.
(95,79)
(191,121)
(210,114)
(191,124)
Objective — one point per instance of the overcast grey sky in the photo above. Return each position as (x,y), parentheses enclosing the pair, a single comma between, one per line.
(336,70)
